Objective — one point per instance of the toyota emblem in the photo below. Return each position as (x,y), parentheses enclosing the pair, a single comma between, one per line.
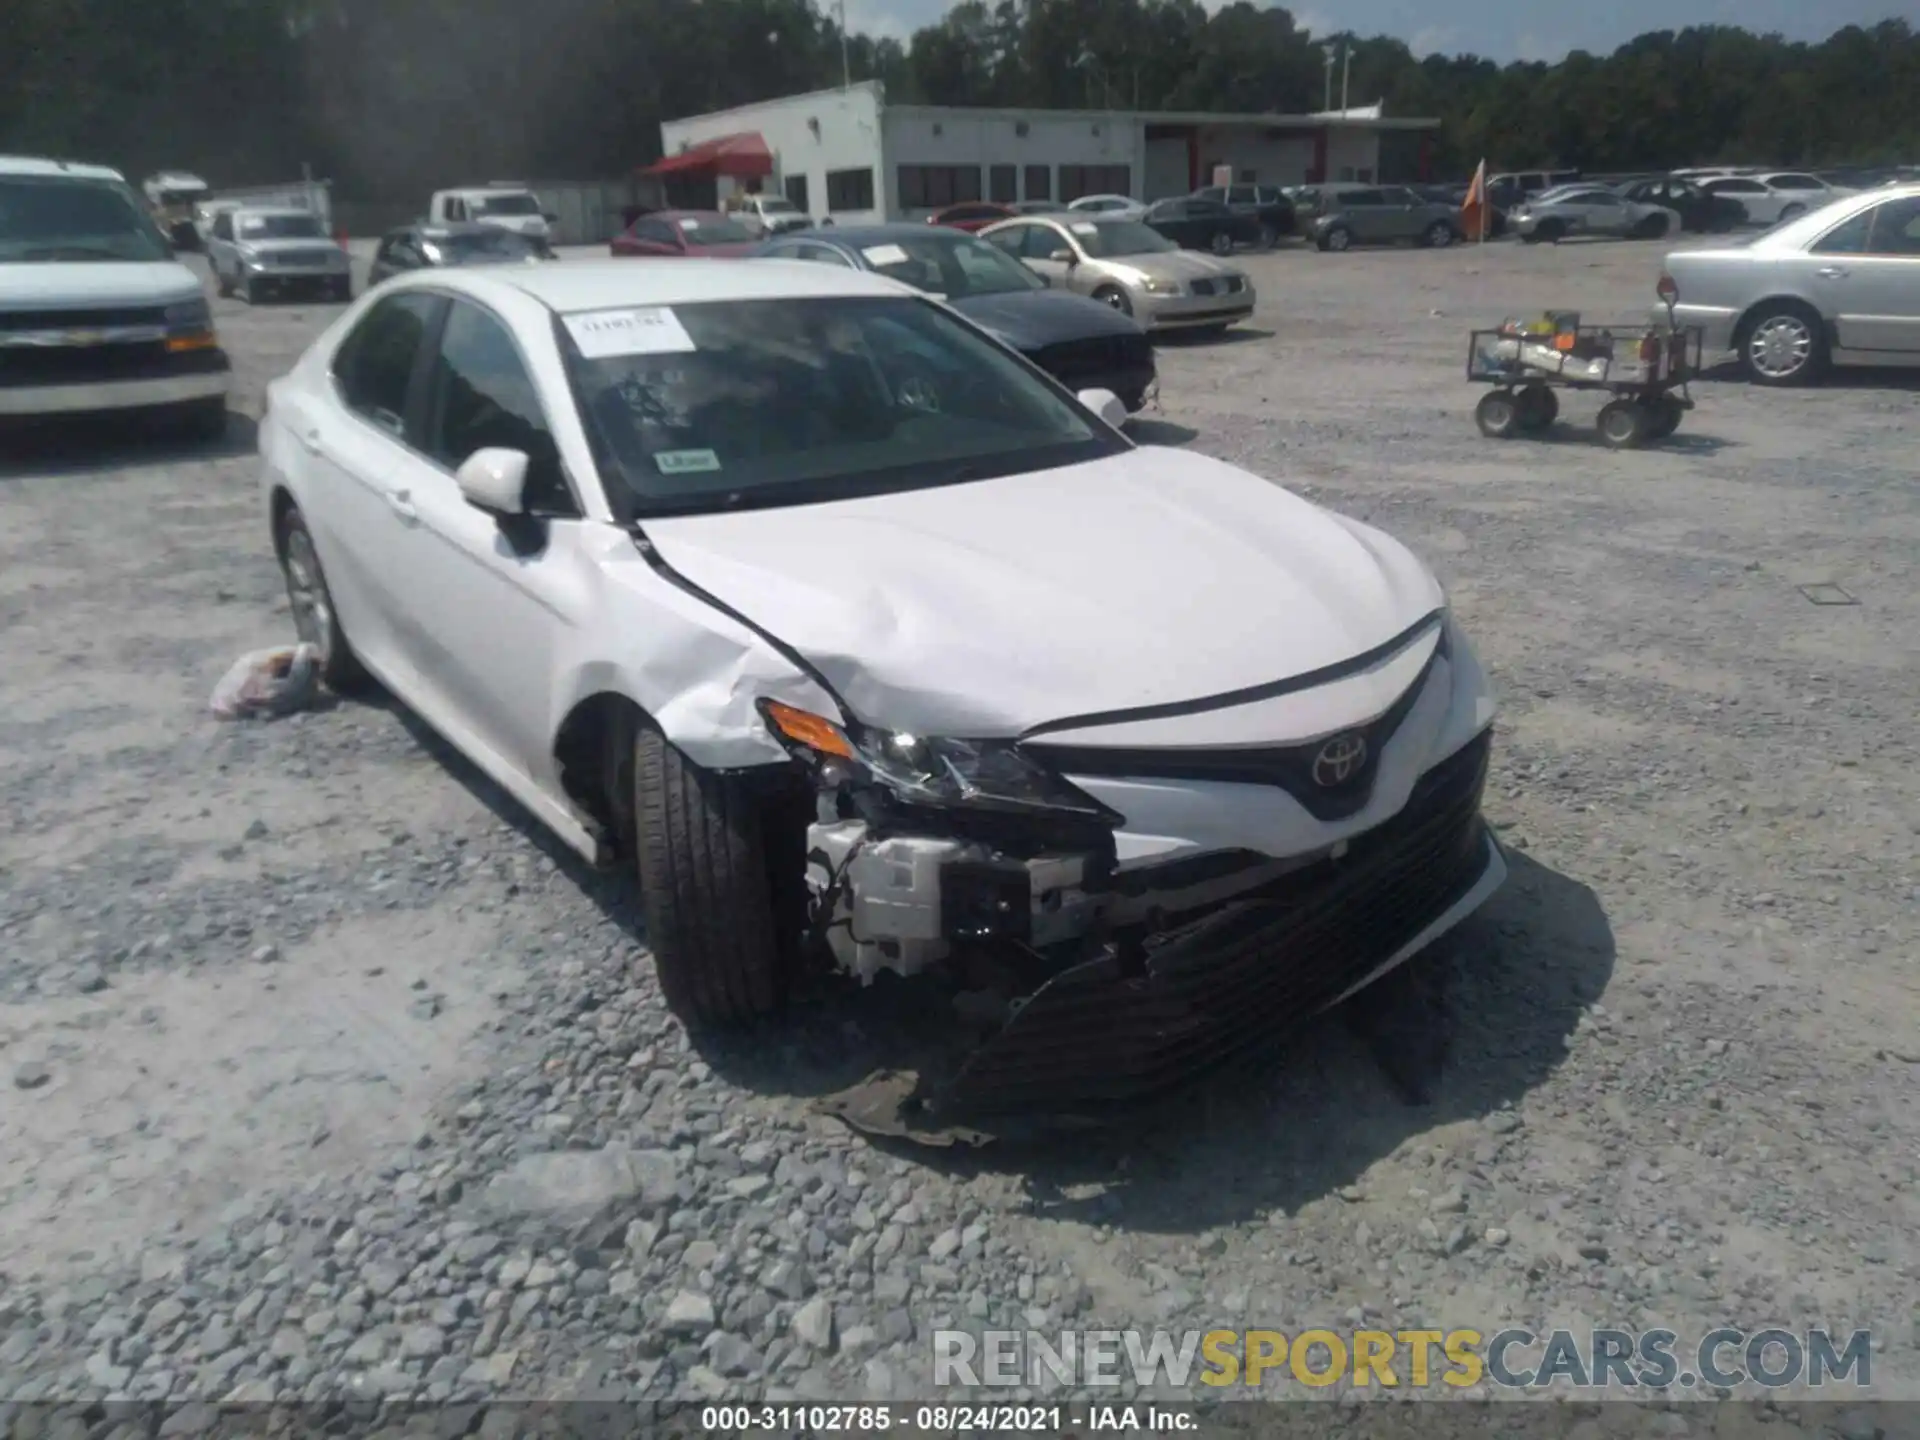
(1339,760)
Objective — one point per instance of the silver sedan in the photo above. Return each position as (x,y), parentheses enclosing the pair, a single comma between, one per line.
(1590,210)
(1840,286)
(1129,266)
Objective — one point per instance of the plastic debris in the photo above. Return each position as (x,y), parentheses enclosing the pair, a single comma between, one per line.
(268,682)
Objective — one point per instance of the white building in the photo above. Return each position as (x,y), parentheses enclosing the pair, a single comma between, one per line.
(849,154)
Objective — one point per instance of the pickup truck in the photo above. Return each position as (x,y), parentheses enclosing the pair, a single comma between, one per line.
(511,207)
(97,315)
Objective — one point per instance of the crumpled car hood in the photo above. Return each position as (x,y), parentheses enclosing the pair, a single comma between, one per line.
(987,608)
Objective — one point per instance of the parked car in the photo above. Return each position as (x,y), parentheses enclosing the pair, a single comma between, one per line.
(1116,207)
(972,216)
(1454,197)
(1838,286)
(1590,210)
(1202,225)
(263,253)
(1698,209)
(1508,188)
(427,247)
(96,314)
(1770,197)
(1338,217)
(1264,203)
(852,636)
(765,215)
(1082,343)
(684,232)
(1130,266)
(503,203)
(1040,207)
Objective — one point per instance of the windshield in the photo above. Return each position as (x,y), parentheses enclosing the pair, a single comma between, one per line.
(778,207)
(1107,238)
(713,230)
(518,204)
(957,266)
(280,227)
(52,218)
(482,246)
(744,404)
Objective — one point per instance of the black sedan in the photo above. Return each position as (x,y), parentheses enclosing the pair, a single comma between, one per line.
(1265,203)
(1698,209)
(425,247)
(1082,343)
(1203,225)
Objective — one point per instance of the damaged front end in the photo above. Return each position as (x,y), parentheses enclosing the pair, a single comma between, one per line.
(1076,984)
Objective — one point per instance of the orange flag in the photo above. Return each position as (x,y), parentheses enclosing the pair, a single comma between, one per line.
(1473,210)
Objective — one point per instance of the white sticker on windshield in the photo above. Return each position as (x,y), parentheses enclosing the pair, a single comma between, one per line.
(648,330)
(885,255)
(1084,227)
(683,462)
(689,224)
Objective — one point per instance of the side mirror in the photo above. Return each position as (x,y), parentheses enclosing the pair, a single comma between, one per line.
(551,218)
(1064,257)
(1104,403)
(494,480)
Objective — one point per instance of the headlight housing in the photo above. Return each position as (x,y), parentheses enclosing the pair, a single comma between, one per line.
(935,772)
(190,325)
(1161,287)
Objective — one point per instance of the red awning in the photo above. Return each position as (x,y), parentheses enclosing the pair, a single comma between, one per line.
(744,156)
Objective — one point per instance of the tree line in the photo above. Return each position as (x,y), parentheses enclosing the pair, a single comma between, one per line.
(391,98)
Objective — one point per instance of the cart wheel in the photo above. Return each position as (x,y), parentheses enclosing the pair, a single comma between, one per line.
(1625,424)
(1666,418)
(1497,414)
(1539,407)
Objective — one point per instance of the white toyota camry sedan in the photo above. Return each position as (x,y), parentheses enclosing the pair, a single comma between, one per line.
(869,645)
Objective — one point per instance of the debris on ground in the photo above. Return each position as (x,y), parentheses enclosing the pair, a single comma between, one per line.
(268,683)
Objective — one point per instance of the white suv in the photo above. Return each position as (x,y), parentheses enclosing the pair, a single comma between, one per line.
(96,314)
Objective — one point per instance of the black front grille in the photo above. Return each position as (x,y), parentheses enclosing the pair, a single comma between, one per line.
(1094,1035)
(23,365)
(1078,362)
(1291,767)
(105,319)
(1202,287)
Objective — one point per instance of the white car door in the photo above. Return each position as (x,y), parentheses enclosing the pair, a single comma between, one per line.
(489,600)
(349,436)
(1875,291)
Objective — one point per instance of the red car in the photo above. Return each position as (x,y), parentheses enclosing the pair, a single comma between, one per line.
(698,233)
(974,215)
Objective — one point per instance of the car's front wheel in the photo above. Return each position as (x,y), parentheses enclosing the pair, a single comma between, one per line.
(1115,297)
(1337,238)
(314,618)
(1222,243)
(1439,235)
(705,885)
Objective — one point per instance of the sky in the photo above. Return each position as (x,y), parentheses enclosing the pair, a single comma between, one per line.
(1541,30)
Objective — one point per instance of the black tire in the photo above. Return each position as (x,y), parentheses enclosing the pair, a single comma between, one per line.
(1221,244)
(1338,238)
(222,286)
(1782,343)
(1550,231)
(246,289)
(314,615)
(705,887)
(1625,424)
(1114,296)
(1666,418)
(1438,236)
(1539,407)
(204,421)
(1792,212)
(1498,415)
(1269,236)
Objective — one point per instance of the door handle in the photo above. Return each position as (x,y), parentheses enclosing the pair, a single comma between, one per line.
(401,503)
(1831,272)
(310,441)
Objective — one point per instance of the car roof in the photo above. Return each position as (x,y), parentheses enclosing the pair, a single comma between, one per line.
(684,215)
(858,235)
(608,284)
(35,165)
(272,212)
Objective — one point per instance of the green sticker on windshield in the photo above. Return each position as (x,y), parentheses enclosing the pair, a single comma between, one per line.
(683,462)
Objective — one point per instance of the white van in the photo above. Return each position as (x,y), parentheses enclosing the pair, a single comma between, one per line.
(511,207)
(96,314)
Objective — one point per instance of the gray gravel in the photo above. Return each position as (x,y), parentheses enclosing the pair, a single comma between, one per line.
(331,1077)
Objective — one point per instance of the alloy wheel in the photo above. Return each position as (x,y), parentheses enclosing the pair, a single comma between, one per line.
(1780,346)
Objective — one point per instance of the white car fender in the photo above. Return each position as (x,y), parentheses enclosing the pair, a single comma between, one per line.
(699,672)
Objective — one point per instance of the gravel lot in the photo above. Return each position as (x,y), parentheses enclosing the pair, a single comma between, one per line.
(324,1074)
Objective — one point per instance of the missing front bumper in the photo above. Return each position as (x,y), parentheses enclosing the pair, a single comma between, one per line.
(1131,1023)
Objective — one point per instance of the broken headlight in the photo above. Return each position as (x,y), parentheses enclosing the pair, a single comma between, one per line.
(933,771)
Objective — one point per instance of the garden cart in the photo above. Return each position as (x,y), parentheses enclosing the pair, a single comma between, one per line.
(1645,367)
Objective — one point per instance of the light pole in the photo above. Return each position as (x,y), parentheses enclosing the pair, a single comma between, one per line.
(1346,72)
(1326,103)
